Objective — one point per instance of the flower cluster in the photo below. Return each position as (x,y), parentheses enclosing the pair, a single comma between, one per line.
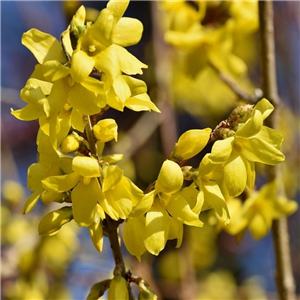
(75,82)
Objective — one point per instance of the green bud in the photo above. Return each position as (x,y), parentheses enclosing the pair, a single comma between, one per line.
(53,221)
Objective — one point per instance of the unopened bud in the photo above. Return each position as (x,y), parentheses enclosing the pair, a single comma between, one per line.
(106,130)
(240,115)
(77,24)
(53,221)
(70,144)
(190,144)
(118,289)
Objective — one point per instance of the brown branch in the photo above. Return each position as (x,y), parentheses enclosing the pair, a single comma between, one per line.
(239,91)
(284,274)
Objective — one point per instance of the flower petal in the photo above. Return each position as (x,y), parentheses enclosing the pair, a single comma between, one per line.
(141,102)
(61,183)
(84,200)
(179,209)
(118,8)
(214,196)
(258,150)
(265,107)
(86,166)
(31,202)
(170,178)
(221,150)
(133,235)
(54,70)
(144,206)
(84,100)
(157,229)
(112,176)
(127,32)
(96,233)
(94,85)
(271,136)
(252,126)
(82,65)
(43,46)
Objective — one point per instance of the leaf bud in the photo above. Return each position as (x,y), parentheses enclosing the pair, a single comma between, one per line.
(53,221)
(106,130)
(70,144)
(190,144)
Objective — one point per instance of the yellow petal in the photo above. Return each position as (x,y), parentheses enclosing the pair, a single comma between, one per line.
(157,229)
(61,183)
(133,235)
(144,206)
(82,65)
(141,102)
(31,202)
(180,210)
(83,100)
(77,120)
(86,166)
(265,107)
(250,168)
(191,143)
(106,130)
(53,221)
(96,233)
(136,86)
(176,231)
(129,64)
(259,226)
(170,178)
(128,32)
(84,200)
(43,46)
(252,126)
(94,85)
(28,113)
(271,136)
(121,88)
(258,150)
(235,175)
(118,7)
(112,176)
(54,70)
(221,150)
(214,196)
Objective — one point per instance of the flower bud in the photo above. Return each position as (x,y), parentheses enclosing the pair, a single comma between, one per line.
(190,144)
(70,144)
(53,221)
(118,289)
(77,24)
(106,130)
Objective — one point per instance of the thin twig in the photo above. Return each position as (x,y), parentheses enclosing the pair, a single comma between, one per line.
(284,274)
(238,90)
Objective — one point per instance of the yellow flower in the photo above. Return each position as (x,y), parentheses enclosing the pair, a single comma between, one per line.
(86,191)
(260,209)
(166,211)
(106,130)
(252,142)
(101,44)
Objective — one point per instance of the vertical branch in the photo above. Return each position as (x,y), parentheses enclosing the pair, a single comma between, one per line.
(284,274)
(111,225)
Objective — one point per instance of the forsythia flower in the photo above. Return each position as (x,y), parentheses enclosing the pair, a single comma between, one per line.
(259,210)
(252,142)
(166,211)
(118,289)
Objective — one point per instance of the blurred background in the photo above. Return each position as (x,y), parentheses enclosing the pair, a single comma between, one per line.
(210,264)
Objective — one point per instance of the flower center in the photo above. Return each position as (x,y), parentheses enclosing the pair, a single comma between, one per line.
(92,48)
(163,199)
